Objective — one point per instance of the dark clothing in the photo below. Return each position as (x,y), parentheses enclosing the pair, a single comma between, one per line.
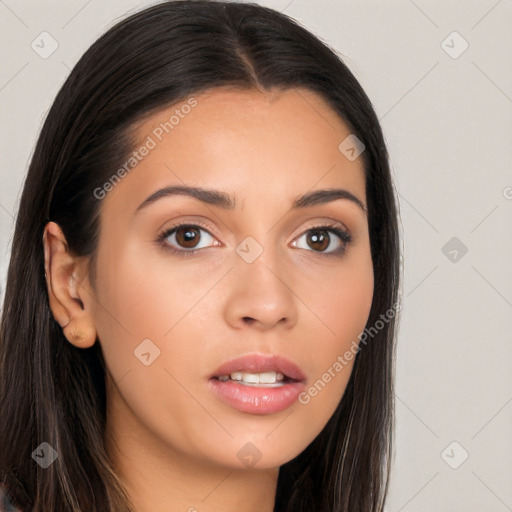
(6,504)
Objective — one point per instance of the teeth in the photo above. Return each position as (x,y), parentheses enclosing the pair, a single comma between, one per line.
(238,376)
(269,377)
(254,379)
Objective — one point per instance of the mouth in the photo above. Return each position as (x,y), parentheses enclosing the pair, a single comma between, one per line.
(258,383)
(259,370)
(270,379)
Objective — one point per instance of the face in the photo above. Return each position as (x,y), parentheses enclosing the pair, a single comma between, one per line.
(186,284)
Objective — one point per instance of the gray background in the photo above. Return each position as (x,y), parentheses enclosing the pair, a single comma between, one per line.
(447,120)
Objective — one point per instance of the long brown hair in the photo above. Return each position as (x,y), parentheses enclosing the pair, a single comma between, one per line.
(51,391)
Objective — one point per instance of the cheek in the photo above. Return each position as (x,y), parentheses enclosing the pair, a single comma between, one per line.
(135,296)
(141,299)
(344,303)
(126,311)
(347,305)
(344,300)
(138,304)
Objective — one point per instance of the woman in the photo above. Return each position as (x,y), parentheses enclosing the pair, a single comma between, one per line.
(141,370)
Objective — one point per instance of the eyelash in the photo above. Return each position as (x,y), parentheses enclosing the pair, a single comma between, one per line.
(344,236)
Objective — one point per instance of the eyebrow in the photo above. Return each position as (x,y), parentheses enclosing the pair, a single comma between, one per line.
(227,202)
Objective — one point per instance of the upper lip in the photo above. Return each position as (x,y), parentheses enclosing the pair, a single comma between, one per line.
(258,363)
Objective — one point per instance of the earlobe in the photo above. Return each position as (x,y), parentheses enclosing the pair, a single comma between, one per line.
(64,273)
(80,334)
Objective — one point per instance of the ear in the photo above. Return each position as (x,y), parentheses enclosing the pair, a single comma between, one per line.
(69,293)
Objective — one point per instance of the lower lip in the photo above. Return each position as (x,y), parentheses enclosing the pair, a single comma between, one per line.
(256,400)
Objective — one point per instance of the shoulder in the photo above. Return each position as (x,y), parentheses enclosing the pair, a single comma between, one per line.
(6,504)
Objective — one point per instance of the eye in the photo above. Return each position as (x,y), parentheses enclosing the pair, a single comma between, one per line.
(321,240)
(187,237)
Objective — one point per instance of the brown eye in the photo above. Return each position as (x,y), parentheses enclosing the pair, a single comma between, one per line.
(187,236)
(318,239)
(325,240)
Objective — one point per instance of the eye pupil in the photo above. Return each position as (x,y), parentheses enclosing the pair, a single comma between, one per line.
(187,235)
(322,238)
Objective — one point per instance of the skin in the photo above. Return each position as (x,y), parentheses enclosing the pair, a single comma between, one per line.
(172,441)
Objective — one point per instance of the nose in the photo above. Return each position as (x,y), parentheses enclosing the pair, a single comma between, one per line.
(261,295)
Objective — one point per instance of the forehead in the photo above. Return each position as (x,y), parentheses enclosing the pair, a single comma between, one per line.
(282,141)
